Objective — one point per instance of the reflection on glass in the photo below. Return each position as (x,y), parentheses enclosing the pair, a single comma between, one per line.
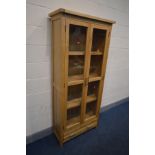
(93,94)
(76,65)
(72,113)
(93,88)
(74,92)
(90,109)
(77,38)
(98,40)
(95,65)
(73,116)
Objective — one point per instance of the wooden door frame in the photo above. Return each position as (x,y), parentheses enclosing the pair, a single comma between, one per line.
(69,21)
(104,62)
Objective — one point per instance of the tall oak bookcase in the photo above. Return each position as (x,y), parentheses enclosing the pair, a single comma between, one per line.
(80,49)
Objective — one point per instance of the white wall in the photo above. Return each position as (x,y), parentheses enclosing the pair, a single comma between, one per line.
(38,54)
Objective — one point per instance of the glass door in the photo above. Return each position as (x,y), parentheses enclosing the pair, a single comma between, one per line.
(76,50)
(95,73)
(97,51)
(76,47)
(91,101)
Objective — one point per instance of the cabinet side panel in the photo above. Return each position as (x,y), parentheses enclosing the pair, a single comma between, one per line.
(57,77)
(105,57)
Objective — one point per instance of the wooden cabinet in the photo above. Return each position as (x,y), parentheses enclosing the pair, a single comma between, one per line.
(80,48)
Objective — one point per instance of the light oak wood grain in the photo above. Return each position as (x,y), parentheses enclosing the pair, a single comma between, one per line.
(66,127)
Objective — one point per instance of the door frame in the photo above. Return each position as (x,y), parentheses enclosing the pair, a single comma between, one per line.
(90,26)
(78,23)
(103,67)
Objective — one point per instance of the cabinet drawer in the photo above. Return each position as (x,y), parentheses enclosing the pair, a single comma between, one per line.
(72,133)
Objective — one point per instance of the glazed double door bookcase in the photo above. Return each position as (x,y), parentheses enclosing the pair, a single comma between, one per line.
(85,74)
(80,50)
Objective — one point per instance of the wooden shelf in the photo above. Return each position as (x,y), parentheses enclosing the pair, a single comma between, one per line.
(73,121)
(91,98)
(74,103)
(76,53)
(77,102)
(76,79)
(90,115)
(94,77)
(75,82)
(96,53)
(83,53)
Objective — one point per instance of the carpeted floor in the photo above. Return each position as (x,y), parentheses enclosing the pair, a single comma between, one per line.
(111,137)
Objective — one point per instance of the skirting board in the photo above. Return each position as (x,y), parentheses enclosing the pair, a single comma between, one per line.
(48,131)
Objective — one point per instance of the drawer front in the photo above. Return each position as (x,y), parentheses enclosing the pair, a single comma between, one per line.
(73,133)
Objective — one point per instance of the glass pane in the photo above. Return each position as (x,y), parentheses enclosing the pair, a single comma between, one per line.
(93,88)
(74,92)
(77,38)
(90,109)
(92,95)
(98,40)
(76,67)
(73,115)
(95,65)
